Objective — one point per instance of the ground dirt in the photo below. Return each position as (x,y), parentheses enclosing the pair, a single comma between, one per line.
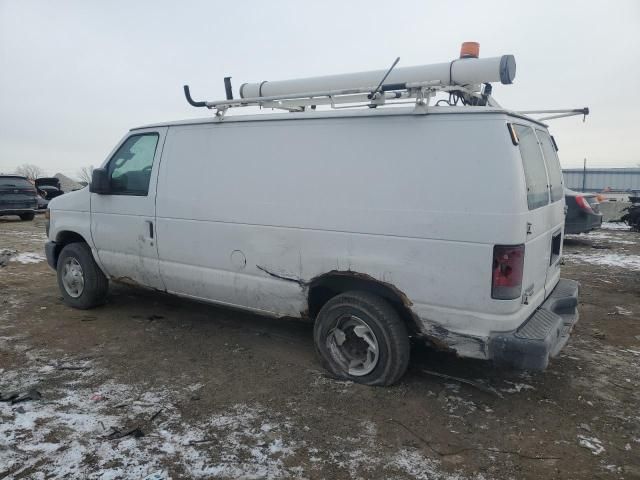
(197,391)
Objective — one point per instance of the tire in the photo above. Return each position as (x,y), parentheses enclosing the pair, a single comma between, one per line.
(94,283)
(379,322)
(27,216)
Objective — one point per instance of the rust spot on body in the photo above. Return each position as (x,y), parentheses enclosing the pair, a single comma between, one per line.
(126,280)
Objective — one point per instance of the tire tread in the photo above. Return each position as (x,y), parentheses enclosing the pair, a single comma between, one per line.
(96,283)
(394,326)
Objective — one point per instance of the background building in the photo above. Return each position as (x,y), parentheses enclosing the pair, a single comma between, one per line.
(602,179)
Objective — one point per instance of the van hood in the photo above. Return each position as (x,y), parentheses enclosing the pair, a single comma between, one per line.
(77,200)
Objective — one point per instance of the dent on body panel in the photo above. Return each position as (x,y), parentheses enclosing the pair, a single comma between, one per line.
(462,345)
(439,337)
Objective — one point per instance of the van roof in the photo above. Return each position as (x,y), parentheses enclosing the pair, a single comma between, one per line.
(344,113)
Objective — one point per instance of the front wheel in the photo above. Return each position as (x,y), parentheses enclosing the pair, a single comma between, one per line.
(81,282)
(27,216)
(360,337)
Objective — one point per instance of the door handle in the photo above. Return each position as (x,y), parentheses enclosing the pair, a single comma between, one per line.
(150,224)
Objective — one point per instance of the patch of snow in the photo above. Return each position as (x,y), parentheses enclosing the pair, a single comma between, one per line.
(30,235)
(454,387)
(517,387)
(160,475)
(621,311)
(630,262)
(599,235)
(614,469)
(455,404)
(195,387)
(591,443)
(322,380)
(28,257)
(414,464)
(615,226)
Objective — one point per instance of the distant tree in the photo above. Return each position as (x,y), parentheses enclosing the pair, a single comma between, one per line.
(30,171)
(84,174)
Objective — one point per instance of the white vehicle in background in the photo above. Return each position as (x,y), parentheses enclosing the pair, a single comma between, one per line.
(342,216)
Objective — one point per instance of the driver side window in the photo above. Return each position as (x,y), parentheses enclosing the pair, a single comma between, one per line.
(130,168)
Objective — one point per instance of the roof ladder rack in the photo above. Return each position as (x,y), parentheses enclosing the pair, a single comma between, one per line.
(466,79)
(462,78)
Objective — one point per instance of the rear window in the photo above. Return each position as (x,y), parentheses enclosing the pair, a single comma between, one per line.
(556,184)
(14,182)
(535,172)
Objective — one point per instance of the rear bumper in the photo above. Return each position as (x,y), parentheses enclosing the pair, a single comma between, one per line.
(542,335)
(584,224)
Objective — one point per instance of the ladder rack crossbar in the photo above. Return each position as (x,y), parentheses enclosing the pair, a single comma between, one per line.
(361,95)
(558,113)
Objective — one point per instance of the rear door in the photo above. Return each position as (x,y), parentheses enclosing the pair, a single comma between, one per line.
(539,221)
(556,212)
(123,221)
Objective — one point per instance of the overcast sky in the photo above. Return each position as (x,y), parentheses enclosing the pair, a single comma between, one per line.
(76,75)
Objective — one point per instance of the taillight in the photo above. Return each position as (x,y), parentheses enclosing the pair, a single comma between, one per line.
(508,266)
(583,204)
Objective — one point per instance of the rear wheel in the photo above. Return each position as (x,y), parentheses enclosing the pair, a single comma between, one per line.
(360,337)
(81,282)
(27,216)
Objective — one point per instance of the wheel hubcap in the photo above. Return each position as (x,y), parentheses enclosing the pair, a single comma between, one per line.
(72,277)
(353,345)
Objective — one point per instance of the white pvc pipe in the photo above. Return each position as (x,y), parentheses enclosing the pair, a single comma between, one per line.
(464,71)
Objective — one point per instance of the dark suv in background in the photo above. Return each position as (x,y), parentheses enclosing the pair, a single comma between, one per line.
(17,197)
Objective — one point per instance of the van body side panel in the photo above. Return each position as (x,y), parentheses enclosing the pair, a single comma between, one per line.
(209,261)
(247,213)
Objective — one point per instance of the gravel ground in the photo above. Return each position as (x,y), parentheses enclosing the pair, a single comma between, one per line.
(151,384)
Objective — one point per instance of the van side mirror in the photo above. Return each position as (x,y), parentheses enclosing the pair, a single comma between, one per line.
(99,181)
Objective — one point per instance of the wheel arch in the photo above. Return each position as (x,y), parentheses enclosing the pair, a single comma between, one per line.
(326,286)
(64,238)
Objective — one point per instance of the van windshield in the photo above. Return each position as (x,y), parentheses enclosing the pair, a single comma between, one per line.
(535,171)
(556,183)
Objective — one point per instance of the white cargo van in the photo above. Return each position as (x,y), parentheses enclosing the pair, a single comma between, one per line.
(443,223)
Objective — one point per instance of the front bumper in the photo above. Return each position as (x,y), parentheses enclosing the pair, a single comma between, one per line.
(51,250)
(17,211)
(542,335)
